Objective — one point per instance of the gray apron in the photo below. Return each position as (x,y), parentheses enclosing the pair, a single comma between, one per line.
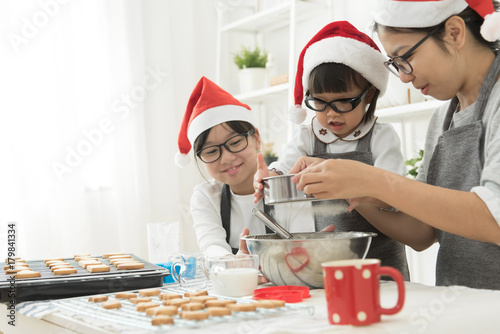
(390,252)
(225,213)
(457,163)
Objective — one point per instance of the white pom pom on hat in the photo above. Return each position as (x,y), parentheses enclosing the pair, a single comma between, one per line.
(297,114)
(182,160)
(338,42)
(208,106)
(490,29)
(425,13)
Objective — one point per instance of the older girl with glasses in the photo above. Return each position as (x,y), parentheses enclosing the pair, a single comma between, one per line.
(340,76)
(449,50)
(220,130)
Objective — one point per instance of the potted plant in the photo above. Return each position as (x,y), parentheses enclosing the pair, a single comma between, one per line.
(252,68)
(269,155)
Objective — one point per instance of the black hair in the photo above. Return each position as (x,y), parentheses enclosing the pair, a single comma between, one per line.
(340,78)
(473,22)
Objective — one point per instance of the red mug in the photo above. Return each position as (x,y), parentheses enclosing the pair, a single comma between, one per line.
(352,290)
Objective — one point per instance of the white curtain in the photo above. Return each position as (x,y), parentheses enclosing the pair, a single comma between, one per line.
(73,164)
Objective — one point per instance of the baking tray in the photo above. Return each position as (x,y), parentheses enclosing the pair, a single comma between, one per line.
(128,320)
(50,286)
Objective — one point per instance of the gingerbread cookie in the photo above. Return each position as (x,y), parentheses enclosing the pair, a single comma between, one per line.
(192,307)
(194,315)
(270,303)
(107,255)
(219,303)
(162,310)
(27,274)
(248,307)
(99,268)
(65,271)
(169,295)
(196,293)
(125,295)
(140,300)
(98,298)
(175,302)
(218,311)
(162,320)
(201,299)
(111,304)
(129,266)
(142,307)
(149,292)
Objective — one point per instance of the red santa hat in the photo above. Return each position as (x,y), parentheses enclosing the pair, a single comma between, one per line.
(208,106)
(428,13)
(338,42)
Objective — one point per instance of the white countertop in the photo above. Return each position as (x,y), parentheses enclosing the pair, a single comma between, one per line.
(427,310)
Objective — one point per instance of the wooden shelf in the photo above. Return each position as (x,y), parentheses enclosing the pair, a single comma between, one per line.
(272,18)
(407,110)
(264,95)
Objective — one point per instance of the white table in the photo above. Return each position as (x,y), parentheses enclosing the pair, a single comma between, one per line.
(427,310)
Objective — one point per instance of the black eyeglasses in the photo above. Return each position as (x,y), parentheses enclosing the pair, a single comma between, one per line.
(234,145)
(340,106)
(400,63)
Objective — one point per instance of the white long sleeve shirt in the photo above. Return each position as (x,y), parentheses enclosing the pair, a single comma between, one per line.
(385,145)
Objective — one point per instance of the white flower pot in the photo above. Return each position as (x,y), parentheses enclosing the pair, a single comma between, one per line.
(251,79)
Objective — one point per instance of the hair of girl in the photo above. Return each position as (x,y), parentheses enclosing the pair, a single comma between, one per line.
(340,78)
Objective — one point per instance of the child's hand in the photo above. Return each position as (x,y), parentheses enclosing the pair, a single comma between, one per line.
(243,249)
(329,228)
(262,172)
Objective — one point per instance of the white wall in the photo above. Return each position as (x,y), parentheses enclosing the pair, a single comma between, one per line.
(179,36)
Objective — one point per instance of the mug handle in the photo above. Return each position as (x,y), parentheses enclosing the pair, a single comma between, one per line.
(398,278)
(176,275)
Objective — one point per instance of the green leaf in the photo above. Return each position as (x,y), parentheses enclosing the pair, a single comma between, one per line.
(248,58)
(412,162)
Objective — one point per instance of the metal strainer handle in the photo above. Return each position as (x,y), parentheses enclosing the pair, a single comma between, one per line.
(272,224)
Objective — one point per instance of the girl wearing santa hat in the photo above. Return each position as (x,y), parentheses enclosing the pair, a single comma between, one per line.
(340,75)
(448,49)
(221,131)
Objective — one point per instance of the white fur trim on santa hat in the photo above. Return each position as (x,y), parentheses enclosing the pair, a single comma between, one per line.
(490,28)
(297,114)
(357,55)
(416,14)
(215,116)
(182,160)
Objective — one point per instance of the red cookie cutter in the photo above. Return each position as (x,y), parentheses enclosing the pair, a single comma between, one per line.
(287,293)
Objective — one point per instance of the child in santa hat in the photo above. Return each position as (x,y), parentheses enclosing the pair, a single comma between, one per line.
(221,131)
(340,75)
(448,49)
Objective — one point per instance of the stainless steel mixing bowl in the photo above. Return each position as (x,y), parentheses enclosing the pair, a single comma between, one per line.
(281,189)
(298,261)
